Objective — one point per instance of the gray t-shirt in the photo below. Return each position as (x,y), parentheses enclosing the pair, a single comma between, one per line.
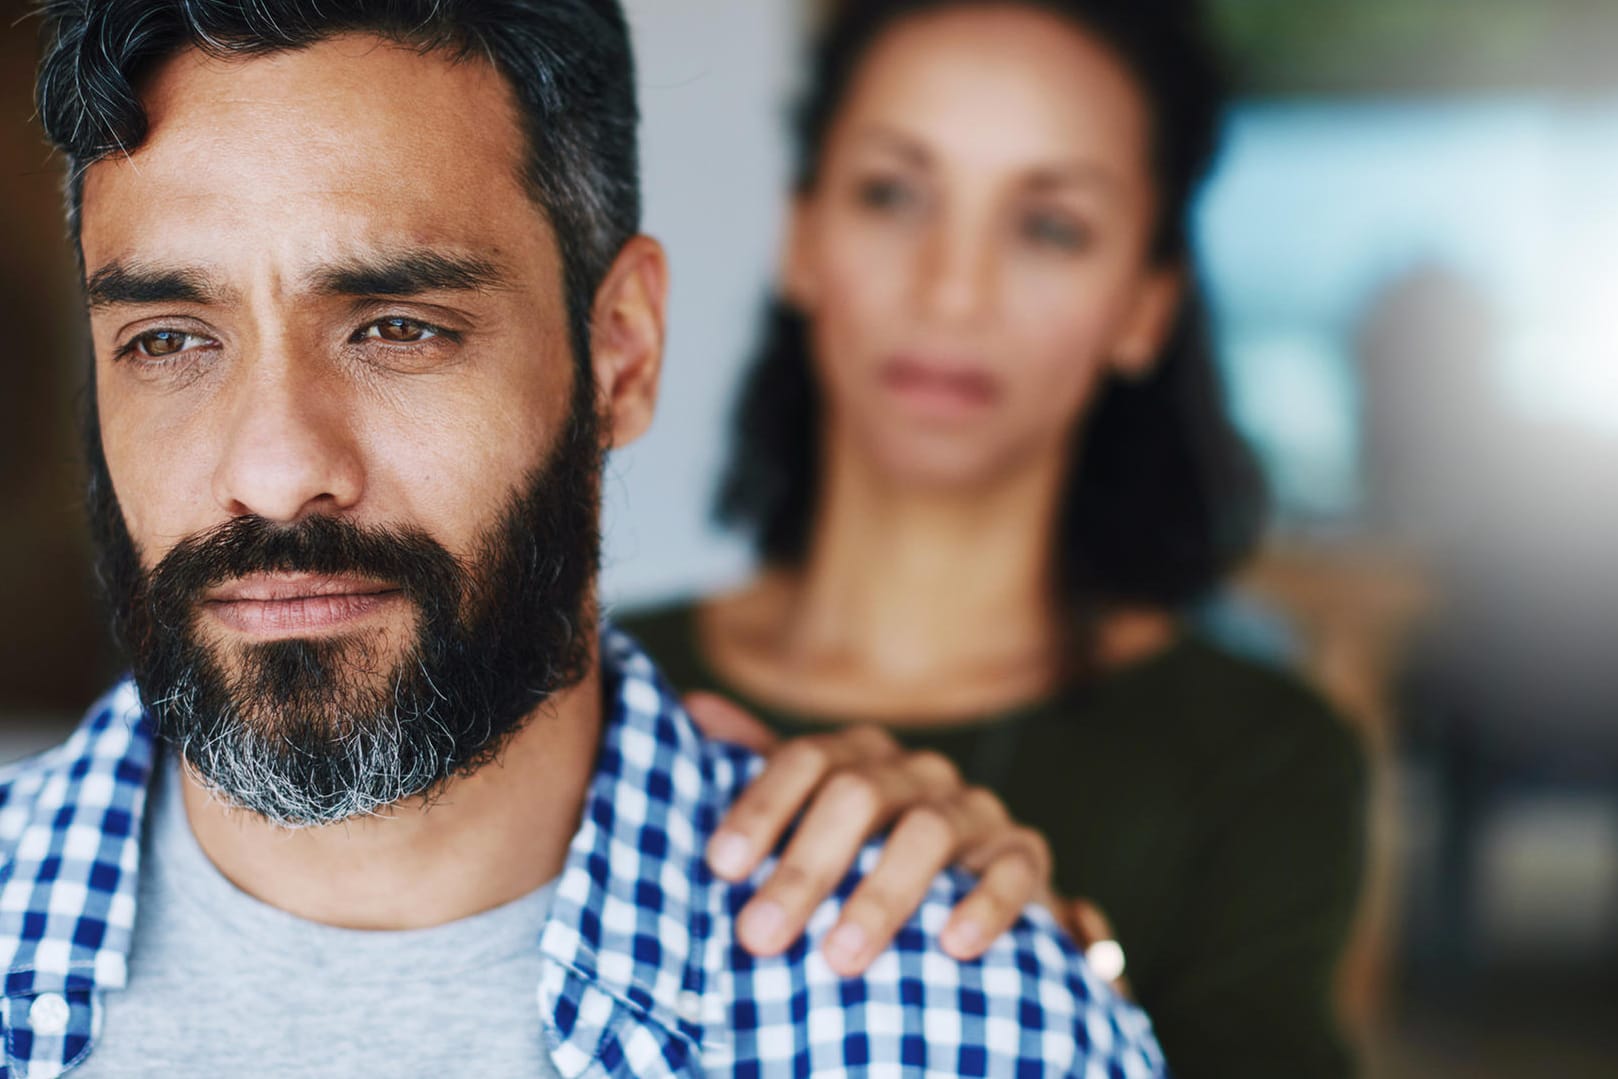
(222,984)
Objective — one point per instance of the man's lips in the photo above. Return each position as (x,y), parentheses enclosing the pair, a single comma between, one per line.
(278,605)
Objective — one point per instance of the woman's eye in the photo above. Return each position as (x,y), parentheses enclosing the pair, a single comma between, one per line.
(885,193)
(1056,231)
(399,331)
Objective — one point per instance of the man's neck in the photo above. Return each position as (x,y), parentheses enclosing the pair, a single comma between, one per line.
(489,838)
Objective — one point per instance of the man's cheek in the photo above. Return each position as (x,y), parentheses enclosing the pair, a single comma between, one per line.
(158,514)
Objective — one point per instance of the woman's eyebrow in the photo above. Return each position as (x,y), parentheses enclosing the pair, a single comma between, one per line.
(897,142)
(1077,173)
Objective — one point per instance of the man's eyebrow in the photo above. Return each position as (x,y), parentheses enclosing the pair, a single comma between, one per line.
(407,273)
(138,283)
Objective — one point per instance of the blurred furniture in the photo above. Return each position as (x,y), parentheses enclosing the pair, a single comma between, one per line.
(1353,606)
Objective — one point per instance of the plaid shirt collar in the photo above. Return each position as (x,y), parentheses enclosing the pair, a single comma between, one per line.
(642,976)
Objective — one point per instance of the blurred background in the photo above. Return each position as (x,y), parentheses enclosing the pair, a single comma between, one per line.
(1413,250)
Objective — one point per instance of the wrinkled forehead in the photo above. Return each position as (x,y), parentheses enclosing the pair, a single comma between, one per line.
(350,142)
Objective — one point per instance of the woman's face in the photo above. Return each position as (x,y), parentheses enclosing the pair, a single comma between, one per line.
(974,257)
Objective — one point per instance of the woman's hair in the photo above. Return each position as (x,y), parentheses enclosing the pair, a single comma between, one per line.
(1164,498)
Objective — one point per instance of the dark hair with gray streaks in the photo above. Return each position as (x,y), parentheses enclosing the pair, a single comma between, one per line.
(568,62)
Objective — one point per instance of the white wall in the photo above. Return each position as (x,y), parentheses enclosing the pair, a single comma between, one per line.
(714,81)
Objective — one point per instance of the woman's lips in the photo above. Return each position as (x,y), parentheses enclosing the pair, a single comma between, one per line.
(286,606)
(938,388)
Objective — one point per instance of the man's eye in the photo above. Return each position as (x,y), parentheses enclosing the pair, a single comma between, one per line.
(159,344)
(399,331)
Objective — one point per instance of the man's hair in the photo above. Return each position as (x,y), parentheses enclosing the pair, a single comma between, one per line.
(568,63)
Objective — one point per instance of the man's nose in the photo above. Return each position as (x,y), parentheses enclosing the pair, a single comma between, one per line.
(289,447)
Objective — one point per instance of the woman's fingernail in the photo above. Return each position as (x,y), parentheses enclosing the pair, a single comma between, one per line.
(846,944)
(761,923)
(963,938)
(728,853)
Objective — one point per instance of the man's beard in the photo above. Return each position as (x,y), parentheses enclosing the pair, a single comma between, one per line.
(311,732)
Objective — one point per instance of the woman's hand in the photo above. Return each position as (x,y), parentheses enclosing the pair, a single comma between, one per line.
(1093,932)
(843,787)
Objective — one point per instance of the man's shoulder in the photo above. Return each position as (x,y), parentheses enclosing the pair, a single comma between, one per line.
(1029,1006)
(107,751)
(69,848)
(645,916)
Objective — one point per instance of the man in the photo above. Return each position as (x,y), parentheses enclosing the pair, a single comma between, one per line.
(368,305)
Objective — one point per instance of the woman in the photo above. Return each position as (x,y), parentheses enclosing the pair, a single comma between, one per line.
(984,455)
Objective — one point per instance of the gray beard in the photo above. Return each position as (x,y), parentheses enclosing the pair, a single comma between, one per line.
(306,733)
(247,762)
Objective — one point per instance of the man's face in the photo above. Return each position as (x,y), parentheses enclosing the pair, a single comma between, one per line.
(336,400)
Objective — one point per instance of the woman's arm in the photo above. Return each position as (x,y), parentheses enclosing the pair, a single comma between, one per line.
(1252,992)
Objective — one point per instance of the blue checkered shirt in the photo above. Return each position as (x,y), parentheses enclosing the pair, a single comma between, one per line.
(642,972)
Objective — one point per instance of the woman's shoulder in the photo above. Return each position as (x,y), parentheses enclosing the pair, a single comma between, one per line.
(1229,705)
(669,634)
(660,619)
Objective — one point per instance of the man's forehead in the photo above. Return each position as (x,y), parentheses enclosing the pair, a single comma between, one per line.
(330,138)
(345,71)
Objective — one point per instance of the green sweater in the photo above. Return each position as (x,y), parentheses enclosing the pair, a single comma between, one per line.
(1214,809)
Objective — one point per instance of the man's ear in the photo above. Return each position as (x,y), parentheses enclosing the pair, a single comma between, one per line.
(1149,323)
(628,328)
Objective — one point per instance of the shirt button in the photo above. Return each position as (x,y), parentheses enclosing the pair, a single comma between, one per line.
(688,1006)
(48,1015)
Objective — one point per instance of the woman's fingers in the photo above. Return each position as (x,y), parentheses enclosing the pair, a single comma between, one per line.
(1101,948)
(1013,871)
(851,806)
(843,788)
(926,840)
(757,819)
(1089,925)
(724,720)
